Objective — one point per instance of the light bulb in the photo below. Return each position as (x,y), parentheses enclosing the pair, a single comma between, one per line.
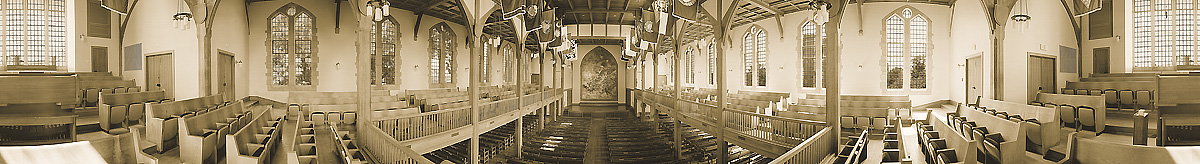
(378,14)
(386,7)
(370,7)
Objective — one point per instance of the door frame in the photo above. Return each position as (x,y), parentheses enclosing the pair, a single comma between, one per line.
(1053,74)
(232,70)
(967,75)
(146,70)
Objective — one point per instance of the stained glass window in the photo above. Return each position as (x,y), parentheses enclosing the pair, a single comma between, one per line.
(386,61)
(712,64)
(809,55)
(292,35)
(34,33)
(441,61)
(755,56)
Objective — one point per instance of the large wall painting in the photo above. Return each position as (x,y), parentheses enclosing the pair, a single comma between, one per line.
(599,73)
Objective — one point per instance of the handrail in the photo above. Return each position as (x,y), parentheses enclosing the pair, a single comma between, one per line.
(782,131)
(812,150)
(382,147)
(401,128)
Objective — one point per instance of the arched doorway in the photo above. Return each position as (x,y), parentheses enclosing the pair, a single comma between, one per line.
(599,76)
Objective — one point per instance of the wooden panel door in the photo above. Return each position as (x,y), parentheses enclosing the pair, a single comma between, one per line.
(225,75)
(1100,60)
(1042,75)
(160,72)
(974,79)
(99,59)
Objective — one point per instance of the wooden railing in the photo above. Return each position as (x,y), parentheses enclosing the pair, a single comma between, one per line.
(813,150)
(384,149)
(775,130)
(384,139)
(415,126)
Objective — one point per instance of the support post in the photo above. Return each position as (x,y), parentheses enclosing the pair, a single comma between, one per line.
(473,92)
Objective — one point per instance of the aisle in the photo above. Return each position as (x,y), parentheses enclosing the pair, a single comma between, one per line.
(597,146)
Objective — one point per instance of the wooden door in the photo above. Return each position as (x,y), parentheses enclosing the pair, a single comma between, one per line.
(160,74)
(99,59)
(1100,60)
(974,78)
(1041,76)
(225,75)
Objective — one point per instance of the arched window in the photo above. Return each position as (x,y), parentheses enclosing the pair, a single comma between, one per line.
(809,59)
(712,64)
(906,42)
(34,33)
(509,63)
(386,41)
(293,43)
(690,64)
(755,56)
(487,62)
(441,56)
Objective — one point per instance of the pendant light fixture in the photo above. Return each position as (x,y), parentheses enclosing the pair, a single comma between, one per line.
(1021,18)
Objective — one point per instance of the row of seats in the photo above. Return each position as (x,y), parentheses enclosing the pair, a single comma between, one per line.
(563,141)
(333,117)
(934,146)
(491,143)
(202,135)
(120,110)
(990,141)
(304,147)
(90,90)
(256,142)
(854,150)
(630,140)
(162,123)
(891,143)
(1129,100)
(347,147)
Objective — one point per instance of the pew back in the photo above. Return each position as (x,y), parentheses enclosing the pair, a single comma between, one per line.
(39,89)
(1095,102)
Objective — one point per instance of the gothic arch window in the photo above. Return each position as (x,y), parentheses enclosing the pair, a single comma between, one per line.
(509,65)
(386,61)
(441,56)
(754,51)
(907,45)
(35,34)
(488,47)
(292,37)
(690,65)
(812,60)
(712,64)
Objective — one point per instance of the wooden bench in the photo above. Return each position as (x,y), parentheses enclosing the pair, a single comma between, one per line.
(304,146)
(255,142)
(1083,111)
(121,110)
(943,143)
(339,106)
(203,134)
(1040,123)
(162,119)
(59,90)
(1000,140)
(90,90)
(870,111)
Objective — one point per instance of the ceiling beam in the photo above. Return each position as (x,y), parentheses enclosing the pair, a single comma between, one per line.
(766,6)
(601,11)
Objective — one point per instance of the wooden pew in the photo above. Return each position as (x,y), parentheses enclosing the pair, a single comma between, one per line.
(162,119)
(1048,125)
(36,130)
(256,142)
(1011,149)
(39,89)
(90,90)
(124,109)
(340,106)
(202,135)
(1077,102)
(304,149)
(1091,150)
(859,110)
(965,148)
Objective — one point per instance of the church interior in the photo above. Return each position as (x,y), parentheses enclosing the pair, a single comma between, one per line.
(599,81)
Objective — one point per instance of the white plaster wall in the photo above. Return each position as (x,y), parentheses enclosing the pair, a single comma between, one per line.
(152,22)
(336,50)
(862,60)
(230,34)
(970,34)
(1050,28)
